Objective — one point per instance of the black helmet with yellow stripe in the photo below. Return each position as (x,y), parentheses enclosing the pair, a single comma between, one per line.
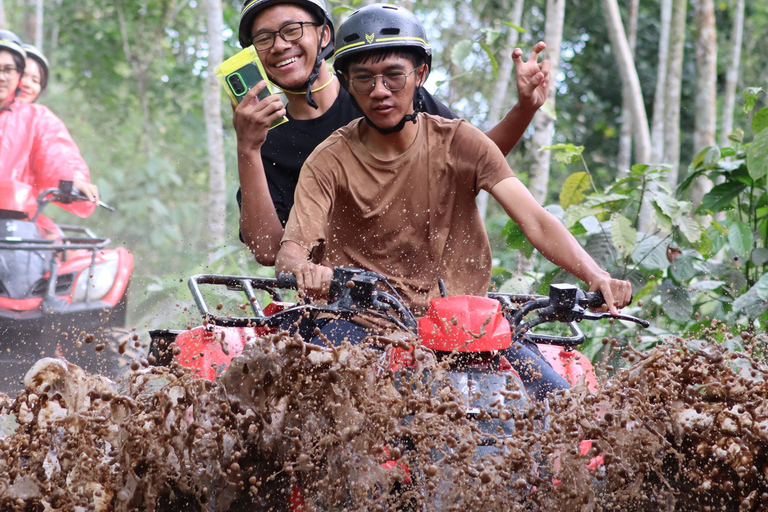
(380,26)
(11,42)
(251,8)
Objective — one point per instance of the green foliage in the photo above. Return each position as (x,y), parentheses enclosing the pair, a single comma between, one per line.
(689,264)
(573,189)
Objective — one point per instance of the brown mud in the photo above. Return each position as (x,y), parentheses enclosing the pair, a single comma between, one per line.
(680,429)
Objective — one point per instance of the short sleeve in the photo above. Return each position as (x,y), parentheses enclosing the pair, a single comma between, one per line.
(478,154)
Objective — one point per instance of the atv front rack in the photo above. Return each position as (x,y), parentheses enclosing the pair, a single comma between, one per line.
(246,285)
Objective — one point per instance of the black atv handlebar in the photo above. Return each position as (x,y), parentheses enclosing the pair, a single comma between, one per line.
(65,193)
(355,291)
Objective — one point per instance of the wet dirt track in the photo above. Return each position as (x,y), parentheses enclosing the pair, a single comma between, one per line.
(681,429)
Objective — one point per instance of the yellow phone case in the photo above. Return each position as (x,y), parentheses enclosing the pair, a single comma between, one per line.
(241,72)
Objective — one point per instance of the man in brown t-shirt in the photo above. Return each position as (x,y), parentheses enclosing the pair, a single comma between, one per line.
(394,192)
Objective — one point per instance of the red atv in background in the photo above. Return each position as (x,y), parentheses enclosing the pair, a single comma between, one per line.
(55,281)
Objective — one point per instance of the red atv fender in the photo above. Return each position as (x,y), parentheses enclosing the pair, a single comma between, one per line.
(208,350)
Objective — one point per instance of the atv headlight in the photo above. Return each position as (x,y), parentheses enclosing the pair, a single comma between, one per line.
(98,281)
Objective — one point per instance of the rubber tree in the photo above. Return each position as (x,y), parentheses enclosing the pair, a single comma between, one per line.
(501,87)
(659,96)
(625,133)
(674,85)
(217,203)
(543,121)
(732,73)
(706,87)
(631,86)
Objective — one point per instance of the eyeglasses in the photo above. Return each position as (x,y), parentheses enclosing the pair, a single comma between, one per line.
(290,32)
(9,72)
(394,81)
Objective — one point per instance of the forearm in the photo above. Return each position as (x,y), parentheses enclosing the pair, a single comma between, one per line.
(551,238)
(259,225)
(507,132)
(545,232)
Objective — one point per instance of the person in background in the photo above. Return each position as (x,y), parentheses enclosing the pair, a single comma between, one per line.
(35,146)
(35,78)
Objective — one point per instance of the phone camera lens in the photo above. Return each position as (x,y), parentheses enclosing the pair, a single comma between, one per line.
(237,84)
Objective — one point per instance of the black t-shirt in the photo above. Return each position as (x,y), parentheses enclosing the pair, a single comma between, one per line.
(290,144)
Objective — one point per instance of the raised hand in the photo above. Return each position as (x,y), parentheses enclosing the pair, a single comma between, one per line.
(532,77)
(253,117)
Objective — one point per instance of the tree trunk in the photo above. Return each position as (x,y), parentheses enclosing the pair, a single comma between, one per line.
(631,84)
(30,12)
(217,201)
(732,74)
(674,83)
(659,97)
(544,123)
(39,25)
(500,99)
(706,88)
(2,16)
(628,74)
(625,135)
(55,29)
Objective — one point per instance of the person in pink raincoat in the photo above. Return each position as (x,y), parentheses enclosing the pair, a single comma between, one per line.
(35,146)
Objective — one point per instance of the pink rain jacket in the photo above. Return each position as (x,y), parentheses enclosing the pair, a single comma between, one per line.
(36,148)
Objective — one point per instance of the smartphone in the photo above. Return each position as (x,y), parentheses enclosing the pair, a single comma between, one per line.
(241,72)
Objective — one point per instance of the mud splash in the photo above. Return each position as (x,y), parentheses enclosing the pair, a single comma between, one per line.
(290,425)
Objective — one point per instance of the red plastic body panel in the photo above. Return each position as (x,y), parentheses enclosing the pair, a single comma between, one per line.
(201,349)
(466,324)
(80,261)
(572,365)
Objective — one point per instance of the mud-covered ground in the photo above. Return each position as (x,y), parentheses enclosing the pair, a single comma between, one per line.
(290,425)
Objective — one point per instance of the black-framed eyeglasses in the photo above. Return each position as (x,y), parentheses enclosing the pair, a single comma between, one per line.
(9,72)
(290,32)
(394,81)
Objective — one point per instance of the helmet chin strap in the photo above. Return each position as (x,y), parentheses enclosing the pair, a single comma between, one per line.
(418,106)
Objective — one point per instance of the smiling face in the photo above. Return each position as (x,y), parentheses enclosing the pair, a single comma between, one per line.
(383,107)
(8,82)
(31,82)
(289,63)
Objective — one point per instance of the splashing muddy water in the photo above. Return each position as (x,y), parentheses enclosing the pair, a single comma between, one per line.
(290,426)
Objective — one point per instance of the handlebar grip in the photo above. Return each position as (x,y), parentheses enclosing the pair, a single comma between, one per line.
(286,281)
(595,299)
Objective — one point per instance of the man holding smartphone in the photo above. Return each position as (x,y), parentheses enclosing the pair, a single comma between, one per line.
(293,38)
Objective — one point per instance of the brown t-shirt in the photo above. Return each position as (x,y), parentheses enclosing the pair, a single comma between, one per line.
(412,219)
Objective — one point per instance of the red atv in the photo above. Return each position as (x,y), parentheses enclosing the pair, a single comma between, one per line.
(55,281)
(475,334)
(480,329)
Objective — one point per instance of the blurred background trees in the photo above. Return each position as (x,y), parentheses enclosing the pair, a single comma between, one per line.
(643,83)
